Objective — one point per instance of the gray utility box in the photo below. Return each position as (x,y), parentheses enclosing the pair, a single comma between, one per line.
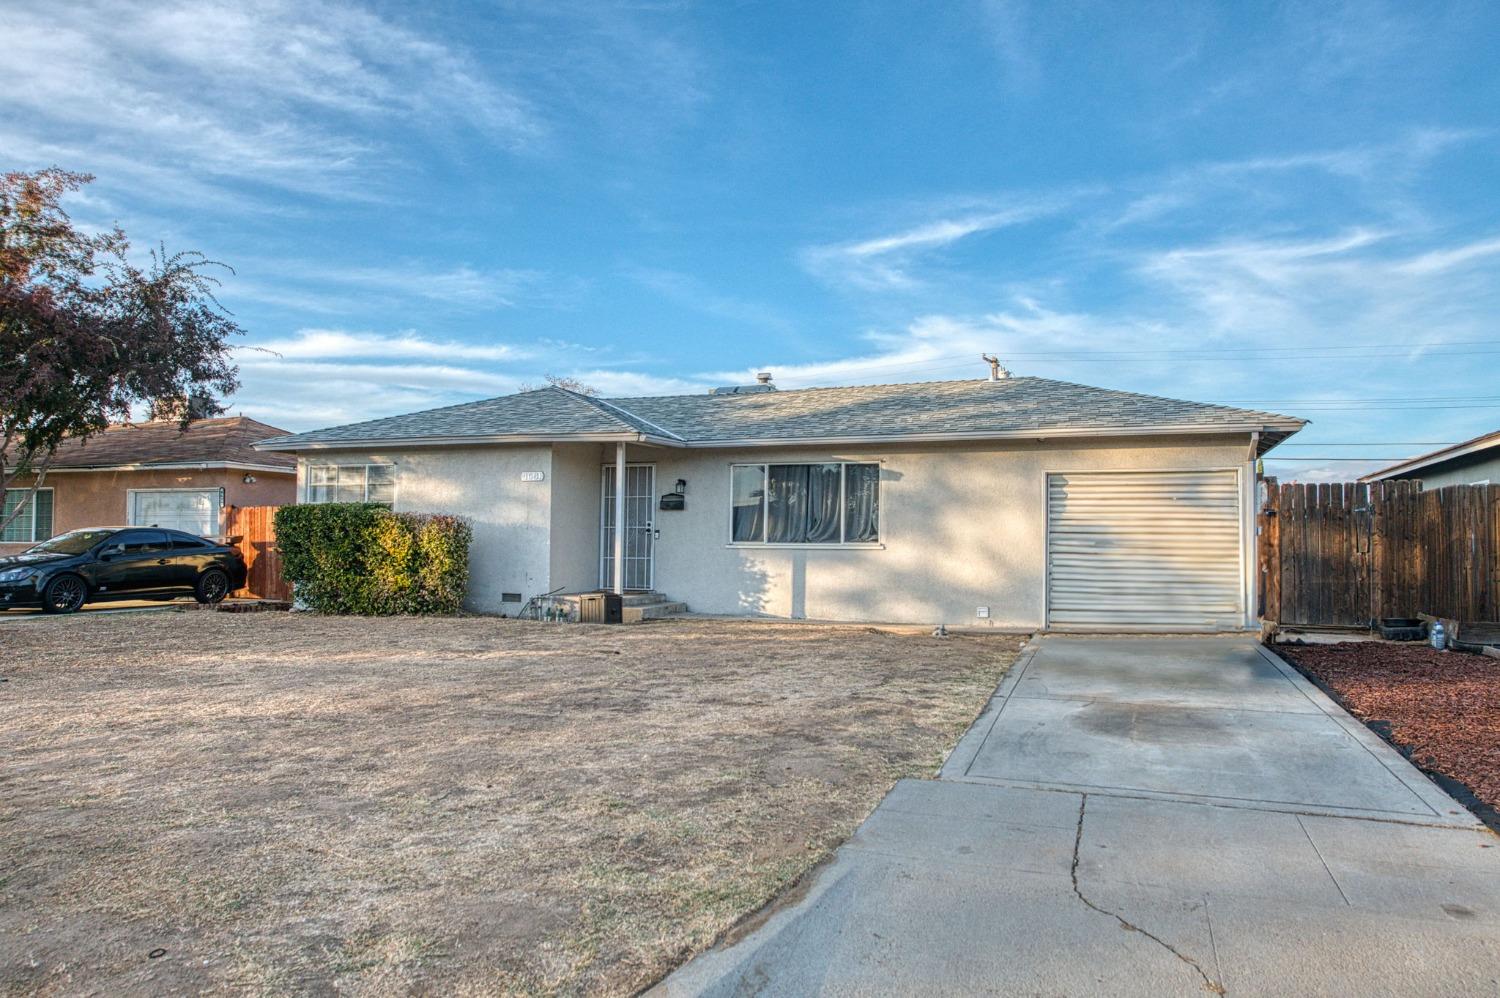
(600,608)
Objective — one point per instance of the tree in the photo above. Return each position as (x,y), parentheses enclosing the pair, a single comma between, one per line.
(86,335)
(563,381)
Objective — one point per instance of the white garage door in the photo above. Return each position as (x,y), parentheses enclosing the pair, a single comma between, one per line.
(193,510)
(1144,550)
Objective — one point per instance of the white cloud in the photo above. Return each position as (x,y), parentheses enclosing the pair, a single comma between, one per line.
(270,93)
(885,262)
(324,344)
(1446,259)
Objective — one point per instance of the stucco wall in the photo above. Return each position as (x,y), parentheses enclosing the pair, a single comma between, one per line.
(576,488)
(961,528)
(98,498)
(511,518)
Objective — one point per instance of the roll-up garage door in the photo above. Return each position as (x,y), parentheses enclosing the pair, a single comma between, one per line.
(1144,550)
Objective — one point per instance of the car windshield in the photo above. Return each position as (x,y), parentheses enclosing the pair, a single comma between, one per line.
(73,542)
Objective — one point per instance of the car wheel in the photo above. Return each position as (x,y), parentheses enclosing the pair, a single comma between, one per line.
(213,586)
(64,594)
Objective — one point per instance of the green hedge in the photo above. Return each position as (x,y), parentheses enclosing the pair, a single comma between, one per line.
(363,559)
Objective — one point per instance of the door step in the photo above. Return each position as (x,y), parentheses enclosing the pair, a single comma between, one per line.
(636,607)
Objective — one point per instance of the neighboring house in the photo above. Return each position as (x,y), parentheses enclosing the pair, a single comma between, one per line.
(1017,502)
(152,474)
(1473,462)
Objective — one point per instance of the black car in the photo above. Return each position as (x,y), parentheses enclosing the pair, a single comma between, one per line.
(102,563)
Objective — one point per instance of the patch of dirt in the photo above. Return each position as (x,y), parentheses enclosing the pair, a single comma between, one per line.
(288,803)
(1442,706)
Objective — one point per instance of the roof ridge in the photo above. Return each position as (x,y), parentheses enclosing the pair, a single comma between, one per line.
(610,409)
(829,388)
(613,412)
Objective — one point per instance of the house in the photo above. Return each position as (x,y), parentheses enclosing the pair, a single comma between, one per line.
(152,474)
(1017,502)
(1473,462)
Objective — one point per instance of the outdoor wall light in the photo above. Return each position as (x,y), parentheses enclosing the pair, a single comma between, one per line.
(249,479)
(682,485)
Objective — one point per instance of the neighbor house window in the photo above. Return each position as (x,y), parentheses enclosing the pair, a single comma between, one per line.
(35,521)
(832,503)
(351,483)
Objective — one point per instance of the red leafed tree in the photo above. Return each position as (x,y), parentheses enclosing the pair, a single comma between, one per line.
(85,334)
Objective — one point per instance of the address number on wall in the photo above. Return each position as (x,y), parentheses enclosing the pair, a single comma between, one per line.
(533,476)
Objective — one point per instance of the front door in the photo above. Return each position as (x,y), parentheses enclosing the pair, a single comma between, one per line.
(640,502)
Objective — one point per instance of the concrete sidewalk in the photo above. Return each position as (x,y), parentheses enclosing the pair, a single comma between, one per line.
(1152,817)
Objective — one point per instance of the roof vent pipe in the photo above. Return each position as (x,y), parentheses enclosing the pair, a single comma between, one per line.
(997,373)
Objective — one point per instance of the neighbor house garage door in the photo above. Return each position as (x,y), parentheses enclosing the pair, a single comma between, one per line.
(1144,550)
(193,510)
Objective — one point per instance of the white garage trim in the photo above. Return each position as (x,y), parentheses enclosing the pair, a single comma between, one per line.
(189,521)
(1145,550)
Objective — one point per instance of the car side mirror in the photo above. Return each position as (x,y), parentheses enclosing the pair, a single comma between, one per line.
(112,550)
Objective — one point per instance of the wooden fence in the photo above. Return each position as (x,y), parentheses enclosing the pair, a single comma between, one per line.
(253,530)
(1344,554)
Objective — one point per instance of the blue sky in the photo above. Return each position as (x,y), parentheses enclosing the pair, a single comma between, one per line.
(1292,206)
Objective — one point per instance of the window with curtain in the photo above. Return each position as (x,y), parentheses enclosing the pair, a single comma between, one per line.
(351,483)
(833,503)
(35,522)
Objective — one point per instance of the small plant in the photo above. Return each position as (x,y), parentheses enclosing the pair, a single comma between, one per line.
(360,558)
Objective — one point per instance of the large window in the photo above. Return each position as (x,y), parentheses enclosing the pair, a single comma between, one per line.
(831,503)
(351,483)
(34,523)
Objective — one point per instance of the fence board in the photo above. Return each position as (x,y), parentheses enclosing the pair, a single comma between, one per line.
(252,529)
(1343,554)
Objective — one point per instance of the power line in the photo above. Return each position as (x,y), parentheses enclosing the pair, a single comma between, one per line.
(1275,458)
(1380,443)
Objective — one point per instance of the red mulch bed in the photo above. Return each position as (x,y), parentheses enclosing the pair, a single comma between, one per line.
(1443,706)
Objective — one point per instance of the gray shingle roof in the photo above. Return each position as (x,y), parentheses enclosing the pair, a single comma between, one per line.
(546,412)
(225,439)
(935,408)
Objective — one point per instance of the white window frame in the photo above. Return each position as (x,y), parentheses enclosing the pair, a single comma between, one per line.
(765,517)
(307,484)
(130,495)
(28,514)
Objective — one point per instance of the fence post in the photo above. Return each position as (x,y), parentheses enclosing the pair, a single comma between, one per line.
(1270,552)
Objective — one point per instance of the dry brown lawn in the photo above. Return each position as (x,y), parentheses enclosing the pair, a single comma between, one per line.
(289,804)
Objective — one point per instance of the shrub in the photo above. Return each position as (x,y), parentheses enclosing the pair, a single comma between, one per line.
(363,559)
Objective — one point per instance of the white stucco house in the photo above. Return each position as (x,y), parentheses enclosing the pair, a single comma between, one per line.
(1019,502)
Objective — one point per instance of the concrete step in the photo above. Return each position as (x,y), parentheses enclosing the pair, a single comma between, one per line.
(652,611)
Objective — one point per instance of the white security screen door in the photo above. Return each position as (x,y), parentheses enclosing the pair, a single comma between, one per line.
(640,502)
(195,511)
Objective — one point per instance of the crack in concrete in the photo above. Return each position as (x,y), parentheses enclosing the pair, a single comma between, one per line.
(1208,982)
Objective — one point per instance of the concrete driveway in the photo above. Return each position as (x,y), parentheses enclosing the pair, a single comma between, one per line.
(1144,817)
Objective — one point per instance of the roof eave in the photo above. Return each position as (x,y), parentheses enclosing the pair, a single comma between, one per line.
(176,466)
(1275,431)
(1271,434)
(1486,442)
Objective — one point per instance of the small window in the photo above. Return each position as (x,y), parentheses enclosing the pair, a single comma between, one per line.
(830,503)
(351,483)
(35,520)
